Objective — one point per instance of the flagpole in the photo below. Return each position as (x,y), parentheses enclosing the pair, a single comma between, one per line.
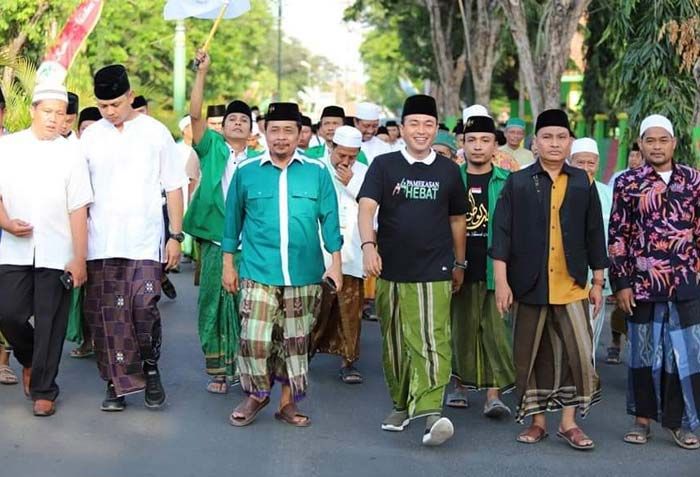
(215,26)
(279,51)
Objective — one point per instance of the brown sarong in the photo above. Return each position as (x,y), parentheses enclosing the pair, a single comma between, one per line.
(553,353)
(338,326)
(120,307)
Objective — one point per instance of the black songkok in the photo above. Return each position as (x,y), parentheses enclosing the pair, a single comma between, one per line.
(283,112)
(333,112)
(420,104)
(111,82)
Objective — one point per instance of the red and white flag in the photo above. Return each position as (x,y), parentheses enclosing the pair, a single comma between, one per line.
(59,57)
(205,9)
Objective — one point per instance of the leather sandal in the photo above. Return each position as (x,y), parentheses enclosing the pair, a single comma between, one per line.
(44,408)
(249,410)
(574,437)
(532,435)
(290,414)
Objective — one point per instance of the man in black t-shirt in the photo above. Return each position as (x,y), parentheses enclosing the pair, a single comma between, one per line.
(482,352)
(418,255)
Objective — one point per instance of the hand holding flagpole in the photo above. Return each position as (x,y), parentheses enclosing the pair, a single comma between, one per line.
(215,26)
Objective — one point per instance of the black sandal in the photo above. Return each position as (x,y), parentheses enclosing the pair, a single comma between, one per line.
(350,375)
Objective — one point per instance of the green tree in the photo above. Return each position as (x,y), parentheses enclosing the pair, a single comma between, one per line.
(651,75)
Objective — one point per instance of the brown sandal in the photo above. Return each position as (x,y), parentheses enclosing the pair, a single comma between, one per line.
(291,415)
(532,435)
(574,437)
(249,409)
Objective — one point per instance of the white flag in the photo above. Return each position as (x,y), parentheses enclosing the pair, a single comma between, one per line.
(205,9)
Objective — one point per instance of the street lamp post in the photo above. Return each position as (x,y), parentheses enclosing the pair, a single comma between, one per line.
(279,50)
(179,65)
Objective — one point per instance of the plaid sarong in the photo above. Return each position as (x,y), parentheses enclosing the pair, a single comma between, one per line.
(120,306)
(337,329)
(553,353)
(664,363)
(275,327)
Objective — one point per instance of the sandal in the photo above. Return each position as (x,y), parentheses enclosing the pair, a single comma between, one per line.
(81,353)
(7,376)
(574,437)
(249,410)
(613,356)
(291,415)
(685,439)
(458,399)
(350,375)
(638,434)
(217,385)
(532,435)
(496,409)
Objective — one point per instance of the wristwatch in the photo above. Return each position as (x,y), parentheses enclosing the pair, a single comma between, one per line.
(599,282)
(178,237)
(462,265)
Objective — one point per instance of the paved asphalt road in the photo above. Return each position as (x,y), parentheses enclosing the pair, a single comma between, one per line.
(192,437)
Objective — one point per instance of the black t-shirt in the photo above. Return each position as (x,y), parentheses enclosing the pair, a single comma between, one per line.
(415,203)
(477,225)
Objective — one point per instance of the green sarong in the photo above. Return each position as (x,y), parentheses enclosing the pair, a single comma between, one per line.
(74,332)
(219,328)
(416,346)
(482,350)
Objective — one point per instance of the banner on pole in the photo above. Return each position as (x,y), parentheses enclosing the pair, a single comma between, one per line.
(204,9)
(59,57)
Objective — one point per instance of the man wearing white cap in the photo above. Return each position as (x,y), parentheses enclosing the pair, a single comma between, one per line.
(654,247)
(585,155)
(367,121)
(337,329)
(44,244)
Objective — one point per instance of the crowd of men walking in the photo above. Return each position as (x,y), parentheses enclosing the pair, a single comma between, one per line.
(486,264)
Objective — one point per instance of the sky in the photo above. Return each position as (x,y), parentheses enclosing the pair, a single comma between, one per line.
(319,25)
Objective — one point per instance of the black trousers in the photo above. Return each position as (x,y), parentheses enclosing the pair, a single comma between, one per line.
(26,291)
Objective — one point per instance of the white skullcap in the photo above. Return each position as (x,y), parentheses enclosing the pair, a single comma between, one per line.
(585,144)
(48,91)
(656,121)
(474,110)
(347,136)
(367,112)
(184,122)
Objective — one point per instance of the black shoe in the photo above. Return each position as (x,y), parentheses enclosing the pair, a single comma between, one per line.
(168,288)
(112,403)
(155,394)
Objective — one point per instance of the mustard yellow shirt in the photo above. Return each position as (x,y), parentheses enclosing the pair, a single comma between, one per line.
(562,288)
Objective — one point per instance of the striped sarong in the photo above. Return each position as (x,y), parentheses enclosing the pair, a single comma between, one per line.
(482,354)
(274,344)
(416,346)
(218,323)
(553,353)
(664,363)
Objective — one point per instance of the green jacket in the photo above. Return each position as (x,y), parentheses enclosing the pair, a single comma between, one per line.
(205,214)
(317,152)
(498,180)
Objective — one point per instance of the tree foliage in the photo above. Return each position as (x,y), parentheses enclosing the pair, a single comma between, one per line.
(650,76)
(133,32)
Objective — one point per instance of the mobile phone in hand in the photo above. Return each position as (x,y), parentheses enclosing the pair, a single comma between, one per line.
(328,281)
(67,280)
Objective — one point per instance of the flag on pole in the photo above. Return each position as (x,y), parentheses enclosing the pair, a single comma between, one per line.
(59,57)
(204,9)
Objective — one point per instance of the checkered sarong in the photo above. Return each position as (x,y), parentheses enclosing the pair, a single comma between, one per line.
(275,327)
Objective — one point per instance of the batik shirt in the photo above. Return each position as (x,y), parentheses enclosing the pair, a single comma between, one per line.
(654,235)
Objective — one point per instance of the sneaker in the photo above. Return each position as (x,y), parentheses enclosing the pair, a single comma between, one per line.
(112,402)
(155,394)
(437,430)
(396,421)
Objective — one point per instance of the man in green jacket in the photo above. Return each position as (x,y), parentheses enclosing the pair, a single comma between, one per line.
(219,156)
(481,348)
